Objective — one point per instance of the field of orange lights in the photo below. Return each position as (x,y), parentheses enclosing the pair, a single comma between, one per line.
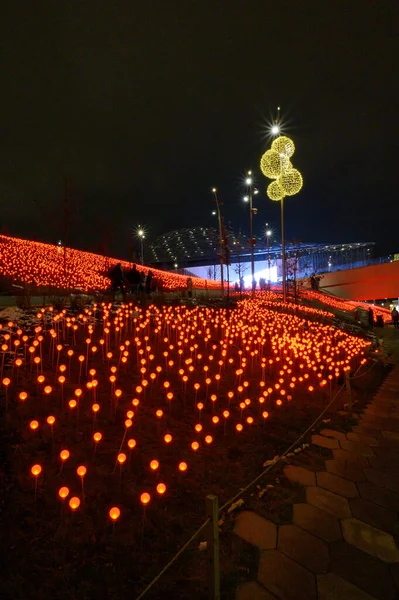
(346,305)
(42,265)
(128,416)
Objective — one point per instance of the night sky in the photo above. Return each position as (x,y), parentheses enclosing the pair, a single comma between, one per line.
(144,106)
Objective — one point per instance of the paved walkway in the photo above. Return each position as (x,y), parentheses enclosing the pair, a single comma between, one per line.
(343,542)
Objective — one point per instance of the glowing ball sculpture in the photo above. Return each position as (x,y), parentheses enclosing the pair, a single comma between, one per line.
(275,164)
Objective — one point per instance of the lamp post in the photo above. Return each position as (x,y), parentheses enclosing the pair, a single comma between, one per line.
(287,181)
(249,198)
(268,233)
(141,235)
(216,200)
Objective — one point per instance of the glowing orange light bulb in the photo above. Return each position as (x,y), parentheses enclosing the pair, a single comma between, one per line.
(34,425)
(63,492)
(121,458)
(74,503)
(114,513)
(36,470)
(183,467)
(131,443)
(97,437)
(161,488)
(154,464)
(81,471)
(167,438)
(64,455)
(145,498)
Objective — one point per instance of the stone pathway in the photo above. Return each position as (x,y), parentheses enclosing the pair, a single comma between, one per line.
(343,542)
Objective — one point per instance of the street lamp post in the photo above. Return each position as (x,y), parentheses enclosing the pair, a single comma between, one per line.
(287,181)
(140,233)
(216,199)
(249,198)
(268,234)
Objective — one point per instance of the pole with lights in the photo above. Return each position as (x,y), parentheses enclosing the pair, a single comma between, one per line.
(252,211)
(276,164)
(268,233)
(141,235)
(220,222)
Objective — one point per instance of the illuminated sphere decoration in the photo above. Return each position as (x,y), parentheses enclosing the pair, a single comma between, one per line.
(270,164)
(274,191)
(291,182)
(275,164)
(283,145)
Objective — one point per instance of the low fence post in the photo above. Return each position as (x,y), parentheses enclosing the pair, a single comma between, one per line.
(212,538)
(349,392)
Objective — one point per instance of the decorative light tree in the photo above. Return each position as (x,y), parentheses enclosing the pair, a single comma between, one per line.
(287,181)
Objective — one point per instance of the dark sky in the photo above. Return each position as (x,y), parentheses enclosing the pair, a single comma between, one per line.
(145,105)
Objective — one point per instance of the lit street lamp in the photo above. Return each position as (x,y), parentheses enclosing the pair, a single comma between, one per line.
(252,211)
(141,235)
(216,200)
(268,234)
(287,181)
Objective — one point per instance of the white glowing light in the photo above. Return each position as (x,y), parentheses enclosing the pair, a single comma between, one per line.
(248,181)
(275,130)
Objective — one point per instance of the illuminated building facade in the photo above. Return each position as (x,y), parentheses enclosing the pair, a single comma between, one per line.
(197,250)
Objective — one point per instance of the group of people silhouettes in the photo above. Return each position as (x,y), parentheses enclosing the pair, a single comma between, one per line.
(133,281)
(138,282)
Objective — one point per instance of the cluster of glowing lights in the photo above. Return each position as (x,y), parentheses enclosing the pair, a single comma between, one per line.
(276,164)
(42,265)
(347,305)
(218,374)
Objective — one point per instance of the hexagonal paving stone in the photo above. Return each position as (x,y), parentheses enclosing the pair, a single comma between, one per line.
(324,442)
(387,464)
(331,503)
(338,435)
(300,475)
(375,515)
(386,452)
(379,423)
(379,495)
(383,479)
(285,578)
(375,433)
(332,587)
(253,591)
(351,458)
(346,471)
(256,530)
(363,570)
(362,439)
(317,521)
(337,484)
(303,547)
(357,448)
(371,540)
